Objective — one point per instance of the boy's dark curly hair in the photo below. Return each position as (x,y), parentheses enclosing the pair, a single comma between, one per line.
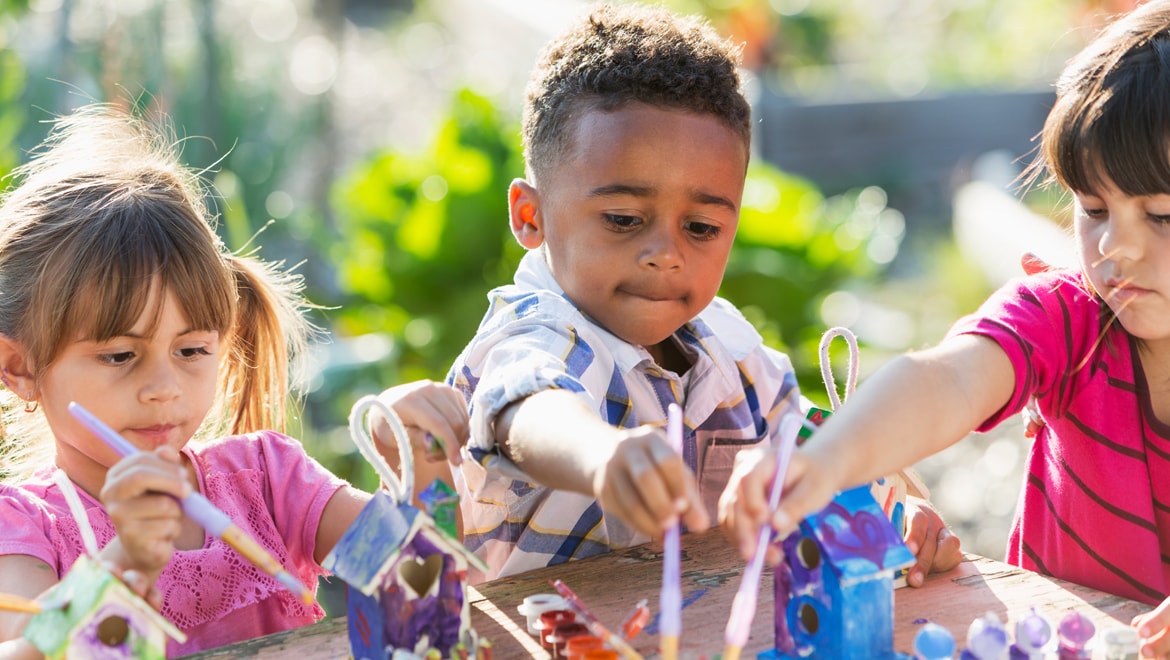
(620,55)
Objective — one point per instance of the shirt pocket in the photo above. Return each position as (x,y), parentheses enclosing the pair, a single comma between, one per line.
(716,464)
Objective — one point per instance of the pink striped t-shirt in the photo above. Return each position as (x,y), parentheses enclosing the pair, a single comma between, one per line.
(1095,508)
(264,481)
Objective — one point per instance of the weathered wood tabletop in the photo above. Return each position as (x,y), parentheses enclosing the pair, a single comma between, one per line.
(611,584)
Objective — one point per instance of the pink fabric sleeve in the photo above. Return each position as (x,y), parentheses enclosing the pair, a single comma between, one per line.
(300,488)
(25,530)
(1039,322)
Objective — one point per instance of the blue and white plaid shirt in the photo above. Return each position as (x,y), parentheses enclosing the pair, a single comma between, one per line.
(534,338)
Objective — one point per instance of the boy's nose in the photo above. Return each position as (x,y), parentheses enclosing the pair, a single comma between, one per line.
(662,251)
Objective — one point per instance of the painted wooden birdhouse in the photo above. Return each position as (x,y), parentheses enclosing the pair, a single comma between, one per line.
(91,614)
(406,579)
(834,588)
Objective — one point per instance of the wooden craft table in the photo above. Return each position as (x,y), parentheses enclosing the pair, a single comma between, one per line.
(611,584)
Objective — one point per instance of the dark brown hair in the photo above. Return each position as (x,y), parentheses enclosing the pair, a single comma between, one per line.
(1111,120)
(621,55)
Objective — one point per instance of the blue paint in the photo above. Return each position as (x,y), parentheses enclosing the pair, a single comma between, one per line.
(933,642)
(691,597)
(834,590)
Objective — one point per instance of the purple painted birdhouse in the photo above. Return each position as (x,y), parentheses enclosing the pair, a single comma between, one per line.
(834,588)
(407,580)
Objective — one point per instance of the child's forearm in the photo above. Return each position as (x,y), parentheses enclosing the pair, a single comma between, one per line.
(556,439)
(916,405)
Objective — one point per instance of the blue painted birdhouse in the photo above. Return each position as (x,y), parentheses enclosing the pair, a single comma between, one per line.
(834,588)
(406,579)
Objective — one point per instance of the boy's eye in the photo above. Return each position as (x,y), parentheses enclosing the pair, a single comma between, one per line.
(621,221)
(1093,213)
(703,230)
(1160,219)
(116,359)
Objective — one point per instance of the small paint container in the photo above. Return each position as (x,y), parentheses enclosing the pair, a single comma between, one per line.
(576,647)
(559,638)
(1120,643)
(600,654)
(549,621)
(533,606)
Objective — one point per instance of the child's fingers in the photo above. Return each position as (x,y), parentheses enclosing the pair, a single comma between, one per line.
(743,505)
(949,552)
(434,414)
(802,496)
(146,472)
(621,496)
(1155,645)
(1152,626)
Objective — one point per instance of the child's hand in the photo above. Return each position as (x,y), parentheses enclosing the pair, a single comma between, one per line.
(928,537)
(1154,630)
(743,506)
(142,494)
(647,484)
(428,410)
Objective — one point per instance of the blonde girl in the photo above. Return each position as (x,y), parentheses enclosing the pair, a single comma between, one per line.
(115,292)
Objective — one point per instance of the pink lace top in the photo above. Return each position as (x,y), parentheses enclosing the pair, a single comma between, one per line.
(264,481)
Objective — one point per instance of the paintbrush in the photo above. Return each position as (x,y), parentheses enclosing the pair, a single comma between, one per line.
(201,510)
(596,627)
(670,598)
(14,603)
(743,608)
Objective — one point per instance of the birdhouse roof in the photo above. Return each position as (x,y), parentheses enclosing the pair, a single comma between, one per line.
(856,537)
(377,537)
(81,594)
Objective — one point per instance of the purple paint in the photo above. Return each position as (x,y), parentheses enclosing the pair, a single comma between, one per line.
(1074,632)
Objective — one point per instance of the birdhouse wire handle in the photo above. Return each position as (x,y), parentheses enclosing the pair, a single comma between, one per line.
(400,487)
(827,368)
(73,500)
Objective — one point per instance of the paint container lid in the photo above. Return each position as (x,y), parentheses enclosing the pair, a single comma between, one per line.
(533,606)
(576,647)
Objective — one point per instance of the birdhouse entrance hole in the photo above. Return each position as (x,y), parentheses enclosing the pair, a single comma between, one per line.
(421,574)
(809,554)
(809,619)
(113,631)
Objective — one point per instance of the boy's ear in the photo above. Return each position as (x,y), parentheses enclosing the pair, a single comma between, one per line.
(15,370)
(524,214)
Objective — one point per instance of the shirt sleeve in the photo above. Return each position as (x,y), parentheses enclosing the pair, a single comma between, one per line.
(526,356)
(300,488)
(1041,322)
(25,527)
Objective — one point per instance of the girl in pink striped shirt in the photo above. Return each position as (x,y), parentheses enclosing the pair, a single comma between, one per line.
(1092,345)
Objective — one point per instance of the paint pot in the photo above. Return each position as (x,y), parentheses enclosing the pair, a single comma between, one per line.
(533,606)
(549,621)
(576,647)
(600,654)
(1120,643)
(559,637)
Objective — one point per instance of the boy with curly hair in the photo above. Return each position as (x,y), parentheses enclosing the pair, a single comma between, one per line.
(636,141)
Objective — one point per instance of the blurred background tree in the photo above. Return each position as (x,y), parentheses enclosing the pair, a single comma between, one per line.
(371,142)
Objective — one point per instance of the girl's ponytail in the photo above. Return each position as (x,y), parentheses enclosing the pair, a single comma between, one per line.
(267,344)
